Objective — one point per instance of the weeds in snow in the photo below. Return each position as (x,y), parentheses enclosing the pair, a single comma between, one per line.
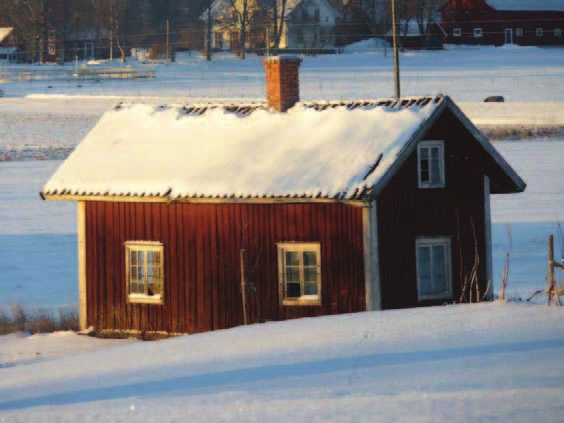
(40,321)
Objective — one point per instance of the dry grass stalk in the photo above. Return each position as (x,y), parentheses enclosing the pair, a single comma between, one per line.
(41,321)
(505,279)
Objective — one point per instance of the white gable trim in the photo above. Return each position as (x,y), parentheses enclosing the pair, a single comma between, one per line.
(488,236)
(371,258)
(81,229)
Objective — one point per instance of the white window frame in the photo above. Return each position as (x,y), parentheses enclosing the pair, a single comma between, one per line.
(539,32)
(422,242)
(519,32)
(428,145)
(303,300)
(144,246)
(557,32)
(478,33)
(457,32)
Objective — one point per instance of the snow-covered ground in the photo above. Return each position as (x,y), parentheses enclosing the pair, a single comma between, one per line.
(495,362)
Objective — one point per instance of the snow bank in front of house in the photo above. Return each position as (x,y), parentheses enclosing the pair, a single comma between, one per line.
(20,348)
(464,363)
(141,149)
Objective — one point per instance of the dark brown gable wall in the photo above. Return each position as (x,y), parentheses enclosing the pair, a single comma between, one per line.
(202,273)
(406,212)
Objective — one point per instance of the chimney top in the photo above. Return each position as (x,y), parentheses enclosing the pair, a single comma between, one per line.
(282,81)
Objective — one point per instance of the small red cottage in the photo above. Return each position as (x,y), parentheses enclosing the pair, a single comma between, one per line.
(340,207)
(498,22)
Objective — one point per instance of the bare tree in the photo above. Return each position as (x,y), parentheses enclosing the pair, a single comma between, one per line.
(424,12)
(279,15)
(238,17)
(30,17)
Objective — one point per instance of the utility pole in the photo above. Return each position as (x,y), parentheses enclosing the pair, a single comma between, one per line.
(209,34)
(112,6)
(167,39)
(267,41)
(396,55)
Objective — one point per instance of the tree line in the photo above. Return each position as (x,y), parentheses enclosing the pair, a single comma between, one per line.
(118,25)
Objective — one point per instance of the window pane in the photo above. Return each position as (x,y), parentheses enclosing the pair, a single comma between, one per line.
(424,153)
(140,258)
(424,175)
(141,273)
(292,258)
(310,274)
(435,172)
(293,290)
(156,270)
(137,288)
(292,274)
(439,271)
(310,289)
(435,152)
(310,258)
(133,257)
(424,269)
(134,275)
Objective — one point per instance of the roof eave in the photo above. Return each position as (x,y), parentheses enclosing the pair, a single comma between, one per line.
(202,200)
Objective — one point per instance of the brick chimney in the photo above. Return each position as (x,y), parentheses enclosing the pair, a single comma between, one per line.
(282,81)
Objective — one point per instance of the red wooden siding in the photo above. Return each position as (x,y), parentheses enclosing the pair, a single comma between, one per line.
(201,260)
(406,212)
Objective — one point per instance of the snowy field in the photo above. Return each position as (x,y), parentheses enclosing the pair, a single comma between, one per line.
(468,74)
(496,362)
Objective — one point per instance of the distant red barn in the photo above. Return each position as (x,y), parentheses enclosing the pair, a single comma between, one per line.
(339,207)
(499,22)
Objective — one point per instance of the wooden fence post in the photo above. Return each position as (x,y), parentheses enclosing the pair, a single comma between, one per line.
(552,289)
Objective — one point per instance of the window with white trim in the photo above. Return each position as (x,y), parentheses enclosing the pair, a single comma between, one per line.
(478,33)
(299,268)
(539,32)
(457,32)
(557,32)
(144,271)
(431,164)
(519,32)
(51,49)
(434,279)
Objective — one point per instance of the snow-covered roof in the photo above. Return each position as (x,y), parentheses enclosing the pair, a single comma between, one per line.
(315,150)
(4,32)
(549,5)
